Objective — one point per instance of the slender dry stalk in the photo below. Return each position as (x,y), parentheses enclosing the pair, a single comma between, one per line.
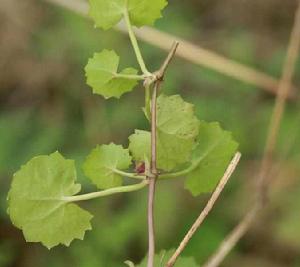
(263,178)
(285,87)
(189,51)
(214,197)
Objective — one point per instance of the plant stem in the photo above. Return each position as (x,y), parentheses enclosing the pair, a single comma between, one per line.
(152,180)
(134,43)
(107,192)
(153,175)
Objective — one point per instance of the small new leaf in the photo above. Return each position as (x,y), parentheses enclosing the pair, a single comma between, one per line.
(37,206)
(160,260)
(102,75)
(107,13)
(100,164)
(212,155)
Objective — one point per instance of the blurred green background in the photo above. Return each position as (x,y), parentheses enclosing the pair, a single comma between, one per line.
(46,106)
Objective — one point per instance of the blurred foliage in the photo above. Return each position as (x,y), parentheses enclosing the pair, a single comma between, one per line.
(46,106)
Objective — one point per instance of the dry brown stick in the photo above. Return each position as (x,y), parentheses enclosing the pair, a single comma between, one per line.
(189,51)
(285,87)
(230,169)
(263,179)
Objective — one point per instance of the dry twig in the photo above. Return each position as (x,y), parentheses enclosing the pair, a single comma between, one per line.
(263,178)
(214,197)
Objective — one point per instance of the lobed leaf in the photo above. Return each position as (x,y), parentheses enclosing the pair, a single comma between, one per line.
(37,206)
(145,12)
(107,13)
(100,164)
(177,127)
(101,72)
(161,259)
(176,117)
(213,154)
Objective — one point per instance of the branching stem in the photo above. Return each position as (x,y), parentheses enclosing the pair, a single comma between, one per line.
(152,177)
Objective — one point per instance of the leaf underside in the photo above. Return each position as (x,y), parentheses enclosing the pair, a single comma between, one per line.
(36,204)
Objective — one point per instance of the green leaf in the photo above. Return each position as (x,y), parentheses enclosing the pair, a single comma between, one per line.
(177,127)
(102,76)
(107,13)
(140,145)
(213,154)
(145,12)
(100,164)
(37,206)
(161,259)
(176,117)
(171,150)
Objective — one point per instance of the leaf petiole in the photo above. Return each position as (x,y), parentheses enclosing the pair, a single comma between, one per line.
(107,192)
(130,76)
(147,100)
(128,174)
(189,169)
(192,167)
(134,43)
